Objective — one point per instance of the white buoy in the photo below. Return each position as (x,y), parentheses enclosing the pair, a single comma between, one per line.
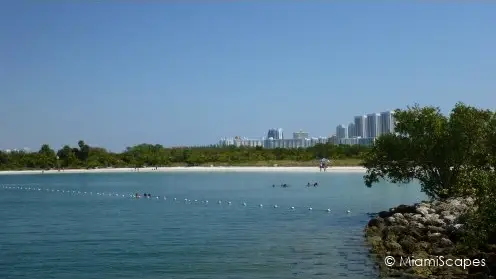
(206,201)
(292,207)
(196,200)
(229,203)
(328,210)
(219,202)
(348,211)
(275,205)
(310,208)
(175,199)
(261,205)
(244,204)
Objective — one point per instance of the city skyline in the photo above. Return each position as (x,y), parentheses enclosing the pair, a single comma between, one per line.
(366,126)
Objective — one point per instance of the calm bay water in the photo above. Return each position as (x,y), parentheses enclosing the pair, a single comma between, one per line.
(63,235)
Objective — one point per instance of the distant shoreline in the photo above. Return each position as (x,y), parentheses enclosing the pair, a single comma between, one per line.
(191,169)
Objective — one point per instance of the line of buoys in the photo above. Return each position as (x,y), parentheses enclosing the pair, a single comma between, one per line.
(35,187)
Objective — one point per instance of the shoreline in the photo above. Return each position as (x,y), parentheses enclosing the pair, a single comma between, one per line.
(190,169)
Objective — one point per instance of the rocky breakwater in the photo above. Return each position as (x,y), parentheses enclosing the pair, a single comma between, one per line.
(426,231)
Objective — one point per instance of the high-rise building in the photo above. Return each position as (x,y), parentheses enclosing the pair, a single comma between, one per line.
(360,126)
(387,122)
(275,133)
(341,132)
(351,130)
(300,135)
(373,125)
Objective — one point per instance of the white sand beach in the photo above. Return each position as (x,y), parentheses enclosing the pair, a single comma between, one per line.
(193,169)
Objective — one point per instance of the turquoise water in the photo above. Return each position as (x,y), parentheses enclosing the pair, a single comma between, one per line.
(65,234)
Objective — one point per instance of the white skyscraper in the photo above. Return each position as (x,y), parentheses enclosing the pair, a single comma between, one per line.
(360,126)
(373,125)
(387,122)
(351,130)
(275,133)
(341,132)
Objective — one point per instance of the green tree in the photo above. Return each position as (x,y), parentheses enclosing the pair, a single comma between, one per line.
(47,157)
(439,151)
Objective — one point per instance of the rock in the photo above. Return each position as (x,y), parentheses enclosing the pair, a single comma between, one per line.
(409,244)
(385,214)
(433,237)
(416,225)
(398,216)
(390,220)
(376,222)
(426,230)
(434,220)
(424,245)
(404,209)
(393,246)
(469,201)
(423,210)
(458,226)
(445,242)
(450,218)
(395,230)
(415,233)
(435,229)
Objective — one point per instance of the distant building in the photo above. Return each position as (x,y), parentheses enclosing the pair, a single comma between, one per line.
(275,133)
(357,141)
(270,142)
(341,132)
(360,126)
(239,141)
(351,130)
(333,139)
(300,135)
(372,125)
(387,122)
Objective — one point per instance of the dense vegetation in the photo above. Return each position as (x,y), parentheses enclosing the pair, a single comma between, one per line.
(451,156)
(84,156)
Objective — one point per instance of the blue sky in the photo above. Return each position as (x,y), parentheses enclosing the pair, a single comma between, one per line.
(120,73)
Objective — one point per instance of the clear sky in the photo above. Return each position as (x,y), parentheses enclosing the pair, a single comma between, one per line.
(125,72)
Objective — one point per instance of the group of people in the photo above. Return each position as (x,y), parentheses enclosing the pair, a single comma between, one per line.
(324,164)
(145,195)
(315,184)
(284,185)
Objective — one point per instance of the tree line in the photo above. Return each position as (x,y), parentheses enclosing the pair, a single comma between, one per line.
(450,155)
(155,155)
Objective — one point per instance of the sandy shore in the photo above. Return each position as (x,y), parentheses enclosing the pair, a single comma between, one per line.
(194,169)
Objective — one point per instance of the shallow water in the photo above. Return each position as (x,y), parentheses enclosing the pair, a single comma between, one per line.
(66,234)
